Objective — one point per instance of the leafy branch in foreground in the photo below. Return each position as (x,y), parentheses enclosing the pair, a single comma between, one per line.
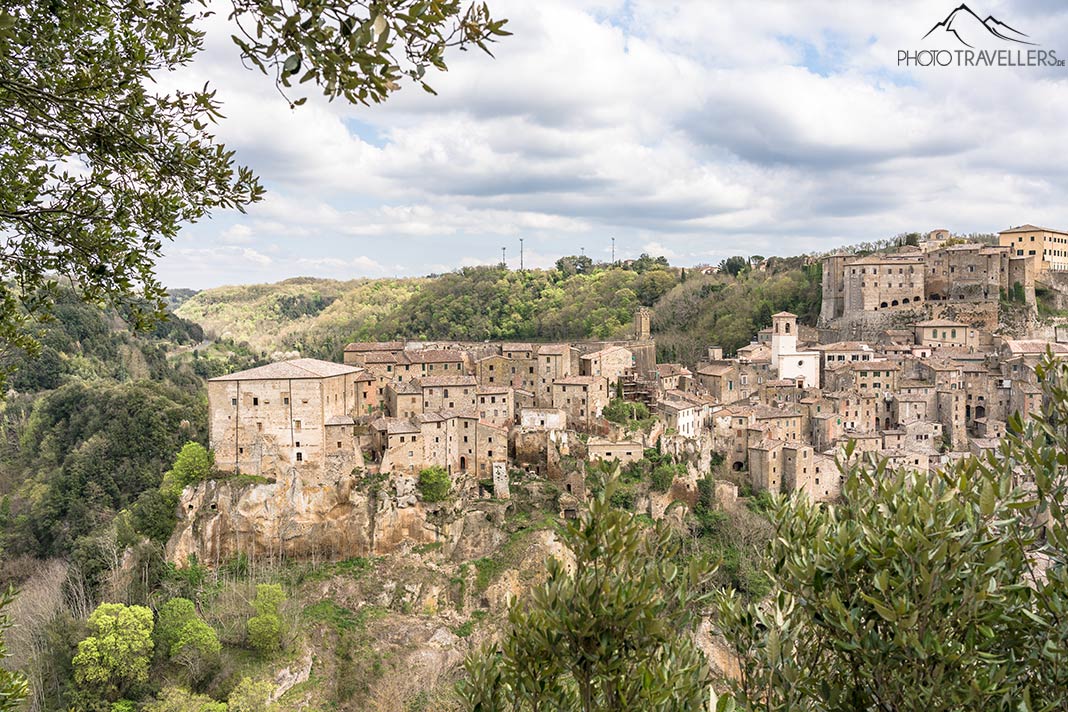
(610,631)
(99,166)
(358,50)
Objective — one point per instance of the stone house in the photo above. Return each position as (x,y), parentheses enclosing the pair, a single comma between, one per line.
(610,362)
(581,397)
(626,451)
(448,392)
(495,405)
(286,414)
(554,361)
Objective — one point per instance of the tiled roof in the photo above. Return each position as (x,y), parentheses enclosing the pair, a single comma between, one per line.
(294,369)
(368,346)
(433,356)
(1028,227)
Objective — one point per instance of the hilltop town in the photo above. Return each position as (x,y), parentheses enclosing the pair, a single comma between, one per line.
(910,361)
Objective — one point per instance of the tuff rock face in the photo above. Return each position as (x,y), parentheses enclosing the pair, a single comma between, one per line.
(296,518)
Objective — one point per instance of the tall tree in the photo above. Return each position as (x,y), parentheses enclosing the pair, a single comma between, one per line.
(98,167)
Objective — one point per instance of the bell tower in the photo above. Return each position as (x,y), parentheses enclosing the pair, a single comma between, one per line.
(783,336)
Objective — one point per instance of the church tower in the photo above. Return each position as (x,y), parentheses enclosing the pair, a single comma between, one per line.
(783,336)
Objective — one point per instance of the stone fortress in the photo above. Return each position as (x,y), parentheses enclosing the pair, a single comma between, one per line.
(909,361)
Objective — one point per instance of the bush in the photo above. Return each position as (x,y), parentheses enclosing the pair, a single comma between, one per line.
(434,484)
(251,696)
(662,477)
(117,652)
(265,628)
(177,699)
(265,633)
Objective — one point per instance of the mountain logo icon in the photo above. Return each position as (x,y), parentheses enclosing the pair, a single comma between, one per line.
(968,28)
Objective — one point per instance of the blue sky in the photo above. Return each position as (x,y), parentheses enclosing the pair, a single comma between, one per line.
(696,130)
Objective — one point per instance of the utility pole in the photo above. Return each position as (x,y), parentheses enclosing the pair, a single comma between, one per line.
(520,254)
(613,250)
(504,262)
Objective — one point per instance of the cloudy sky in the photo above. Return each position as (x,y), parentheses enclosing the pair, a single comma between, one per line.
(695,130)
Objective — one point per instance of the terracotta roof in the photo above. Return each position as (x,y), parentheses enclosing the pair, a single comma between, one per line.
(554,349)
(516,347)
(1028,227)
(340,420)
(846,346)
(395,426)
(672,369)
(368,346)
(1034,346)
(433,356)
(294,369)
(785,313)
(405,388)
(715,369)
(602,352)
(939,322)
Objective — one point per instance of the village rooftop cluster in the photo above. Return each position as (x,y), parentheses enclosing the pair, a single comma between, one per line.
(910,360)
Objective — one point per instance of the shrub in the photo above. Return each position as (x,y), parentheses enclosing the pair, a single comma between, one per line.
(251,696)
(434,484)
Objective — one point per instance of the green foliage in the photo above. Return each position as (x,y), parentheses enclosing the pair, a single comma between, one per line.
(474,303)
(434,484)
(185,639)
(265,634)
(358,53)
(250,696)
(663,476)
(118,650)
(177,699)
(337,617)
(13,686)
(734,265)
(88,451)
(627,412)
(610,633)
(728,311)
(173,616)
(486,570)
(76,88)
(265,629)
(921,591)
(194,463)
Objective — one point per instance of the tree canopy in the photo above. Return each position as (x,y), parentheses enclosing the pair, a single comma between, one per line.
(99,167)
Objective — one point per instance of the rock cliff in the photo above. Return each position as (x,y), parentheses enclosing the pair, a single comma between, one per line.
(296,518)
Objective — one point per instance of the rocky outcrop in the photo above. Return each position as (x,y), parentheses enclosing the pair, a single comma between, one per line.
(295,518)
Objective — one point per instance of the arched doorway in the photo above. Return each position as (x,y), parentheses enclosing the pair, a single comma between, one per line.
(980,411)
(463,464)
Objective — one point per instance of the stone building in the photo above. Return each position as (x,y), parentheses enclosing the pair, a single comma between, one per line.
(294,413)
(496,405)
(554,361)
(625,451)
(1047,248)
(786,360)
(610,362)
(581,397)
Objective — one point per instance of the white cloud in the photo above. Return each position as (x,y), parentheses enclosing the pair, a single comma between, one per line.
(705,129)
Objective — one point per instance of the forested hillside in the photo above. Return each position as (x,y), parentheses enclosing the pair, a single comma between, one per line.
(575,300)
